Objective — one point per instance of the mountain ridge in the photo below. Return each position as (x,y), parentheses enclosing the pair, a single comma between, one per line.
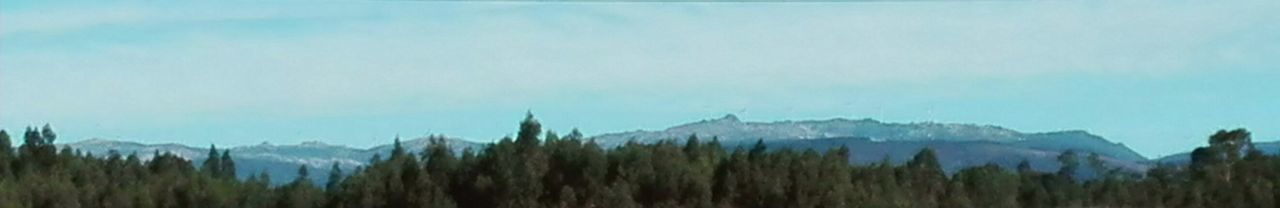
(730,129)
(279,161)
(965,144)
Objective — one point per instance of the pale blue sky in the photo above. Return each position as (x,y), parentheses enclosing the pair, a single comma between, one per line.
(1158,76)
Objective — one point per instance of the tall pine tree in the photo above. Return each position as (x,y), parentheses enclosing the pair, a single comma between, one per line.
(212,165)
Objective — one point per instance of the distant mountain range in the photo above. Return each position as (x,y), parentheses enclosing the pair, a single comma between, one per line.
(958,145)
(279,161)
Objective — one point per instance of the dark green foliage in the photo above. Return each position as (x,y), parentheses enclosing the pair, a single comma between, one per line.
(335,179)
(1229,143)
(212,165)
(397,150)
(988,186)
(228,168)
(6,155)
(568,171)
(925,178)
(300,193)
(1070,162)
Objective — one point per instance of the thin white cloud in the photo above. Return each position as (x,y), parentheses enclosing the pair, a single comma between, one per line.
(543,50)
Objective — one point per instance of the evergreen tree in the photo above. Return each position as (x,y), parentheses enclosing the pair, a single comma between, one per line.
(1069,164)
(332,186)
(440,163)
(692,146)
(397,151)
(302,175)
(6,146)
(925,178)
(212,165)
(227,170)
(6,154)
(989,186)
(300,193)
(47,134)
(527,138)
(529,166)
(35,153)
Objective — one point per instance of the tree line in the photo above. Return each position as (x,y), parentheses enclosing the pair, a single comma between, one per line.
(537,169)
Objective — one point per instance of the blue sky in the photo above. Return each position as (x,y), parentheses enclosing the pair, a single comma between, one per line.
(1157,76)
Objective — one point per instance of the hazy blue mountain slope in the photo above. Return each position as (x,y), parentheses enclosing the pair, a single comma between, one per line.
(952,155)
(101,147)
(730,130)
(958,145)
(1080,141)
(281,162)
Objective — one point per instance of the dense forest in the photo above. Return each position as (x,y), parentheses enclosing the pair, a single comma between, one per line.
(548,170)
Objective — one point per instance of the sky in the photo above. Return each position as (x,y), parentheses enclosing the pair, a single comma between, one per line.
(1158,76)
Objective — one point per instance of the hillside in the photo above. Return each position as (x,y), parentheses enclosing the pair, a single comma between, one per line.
(961,145)
(280,161)
(968,144)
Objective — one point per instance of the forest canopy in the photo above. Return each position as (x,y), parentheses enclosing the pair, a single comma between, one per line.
(545,169)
